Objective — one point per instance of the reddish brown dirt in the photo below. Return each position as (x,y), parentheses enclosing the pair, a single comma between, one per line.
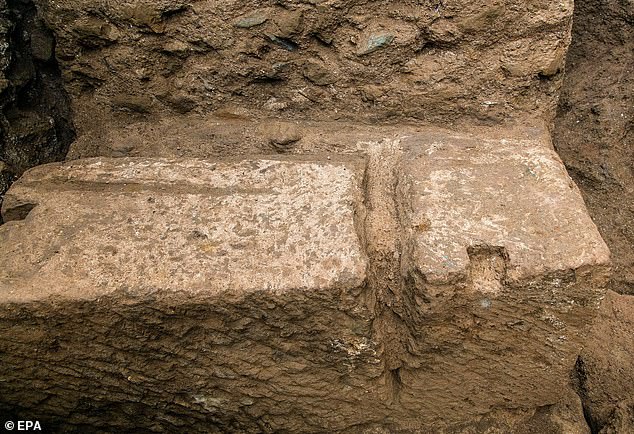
(594,129)
(594,136)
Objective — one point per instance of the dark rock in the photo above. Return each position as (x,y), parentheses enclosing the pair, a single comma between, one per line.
(285,43)
(250,21)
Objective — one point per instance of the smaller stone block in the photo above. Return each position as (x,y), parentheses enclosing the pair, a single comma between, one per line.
(506,267)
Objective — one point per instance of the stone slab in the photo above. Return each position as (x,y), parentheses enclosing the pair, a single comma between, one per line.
(200,227)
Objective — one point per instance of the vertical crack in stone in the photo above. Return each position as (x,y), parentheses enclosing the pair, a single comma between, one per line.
(395,385)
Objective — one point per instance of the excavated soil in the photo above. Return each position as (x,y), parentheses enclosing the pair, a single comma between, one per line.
(594,131)
(594,135)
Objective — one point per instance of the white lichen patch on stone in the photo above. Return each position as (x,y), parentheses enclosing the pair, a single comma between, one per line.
(145,225)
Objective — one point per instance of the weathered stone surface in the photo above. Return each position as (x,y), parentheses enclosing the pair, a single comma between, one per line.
(506,268)
(253,225)
(429,285)
(212,291)
(468,191)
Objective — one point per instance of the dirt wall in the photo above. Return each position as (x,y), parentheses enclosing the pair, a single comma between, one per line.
(594,131)
(594,136)
(373,61)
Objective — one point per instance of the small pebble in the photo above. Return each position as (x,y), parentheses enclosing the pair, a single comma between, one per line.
(252,21)
(376,42)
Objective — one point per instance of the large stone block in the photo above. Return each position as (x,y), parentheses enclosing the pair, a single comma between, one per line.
(439,283)
(229,293)
(506,270)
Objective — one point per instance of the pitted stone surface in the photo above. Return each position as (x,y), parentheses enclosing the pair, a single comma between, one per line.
(188,225)
(506,271)
(469,191)
(224,294)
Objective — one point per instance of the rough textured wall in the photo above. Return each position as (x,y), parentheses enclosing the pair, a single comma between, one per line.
(594,136)
(484,61)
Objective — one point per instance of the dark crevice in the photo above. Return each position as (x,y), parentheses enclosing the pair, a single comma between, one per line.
(267,80)
(6,179)
(580,383)
(395,385)
(35,115)
(179,10)
(18,212)
(285,43)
